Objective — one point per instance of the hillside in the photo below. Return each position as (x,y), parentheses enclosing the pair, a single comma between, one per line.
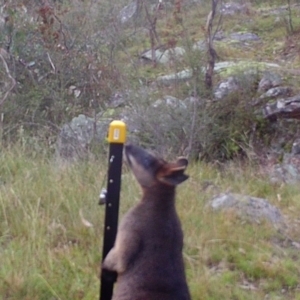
(133,60)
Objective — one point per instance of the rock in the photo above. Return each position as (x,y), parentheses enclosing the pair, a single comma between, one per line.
(276,92)
(187,74)
(243,81)
(288,108)
(75,137)
(169,101)
(128,12)
(148,55)
(269,80)
(179,76)
(226,87)
(233,8)
(244,36)
(288,171)
(164,56)
(247,207)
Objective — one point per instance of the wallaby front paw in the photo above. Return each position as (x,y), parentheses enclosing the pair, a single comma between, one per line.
(109,263)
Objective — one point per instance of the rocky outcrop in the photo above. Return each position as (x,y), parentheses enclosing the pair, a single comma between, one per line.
(287,108)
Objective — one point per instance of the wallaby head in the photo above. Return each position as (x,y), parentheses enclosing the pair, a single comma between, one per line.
(150,170)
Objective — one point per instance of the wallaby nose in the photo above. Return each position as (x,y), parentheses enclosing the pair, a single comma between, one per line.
(139,156)
(133,150)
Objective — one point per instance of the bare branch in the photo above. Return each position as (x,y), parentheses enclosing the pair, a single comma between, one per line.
(152,31)
(212,55)
(51,62)
(13,81)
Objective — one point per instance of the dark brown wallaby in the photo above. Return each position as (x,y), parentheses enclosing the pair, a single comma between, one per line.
(147,254)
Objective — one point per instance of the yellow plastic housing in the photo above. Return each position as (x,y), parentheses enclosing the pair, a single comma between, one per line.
(117,132)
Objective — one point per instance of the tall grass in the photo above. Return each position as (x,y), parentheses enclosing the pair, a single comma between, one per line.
(48,252)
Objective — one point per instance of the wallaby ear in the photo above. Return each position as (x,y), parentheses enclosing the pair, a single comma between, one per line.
(173,174)
(182,162)
(174,178)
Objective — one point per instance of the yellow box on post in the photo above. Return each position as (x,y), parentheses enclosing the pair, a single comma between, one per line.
(117,132)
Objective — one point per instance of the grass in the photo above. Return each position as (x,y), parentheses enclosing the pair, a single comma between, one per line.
(47,252)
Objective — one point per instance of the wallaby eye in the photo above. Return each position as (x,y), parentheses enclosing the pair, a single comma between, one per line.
(148,162)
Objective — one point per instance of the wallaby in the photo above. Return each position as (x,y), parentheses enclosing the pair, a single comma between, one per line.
(147,254)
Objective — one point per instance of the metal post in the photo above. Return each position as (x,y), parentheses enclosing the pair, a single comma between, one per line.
(116,139)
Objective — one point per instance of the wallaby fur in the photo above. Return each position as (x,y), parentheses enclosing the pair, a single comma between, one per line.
(147,254)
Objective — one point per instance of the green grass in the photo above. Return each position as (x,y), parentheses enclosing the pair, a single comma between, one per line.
(48,253)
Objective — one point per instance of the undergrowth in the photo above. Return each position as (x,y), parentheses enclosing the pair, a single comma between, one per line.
(51,231)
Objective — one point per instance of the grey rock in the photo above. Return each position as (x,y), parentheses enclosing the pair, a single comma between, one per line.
(269,80)
(148,55)
(75,137)
(247,207)
(164,56)
(288,108)
(276,92)
(128,12)
(179,76)
(233,8)
(224,65)
(287,172)
(187,74)
(226,87)
(244,36)
(169,101)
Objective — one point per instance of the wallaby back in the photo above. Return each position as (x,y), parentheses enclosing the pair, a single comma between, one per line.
(147,254)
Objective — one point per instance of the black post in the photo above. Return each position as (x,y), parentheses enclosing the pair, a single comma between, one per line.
(116,137)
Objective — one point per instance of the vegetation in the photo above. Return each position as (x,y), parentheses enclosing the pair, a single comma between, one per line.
(62,58)
(51,232)
(52,69)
